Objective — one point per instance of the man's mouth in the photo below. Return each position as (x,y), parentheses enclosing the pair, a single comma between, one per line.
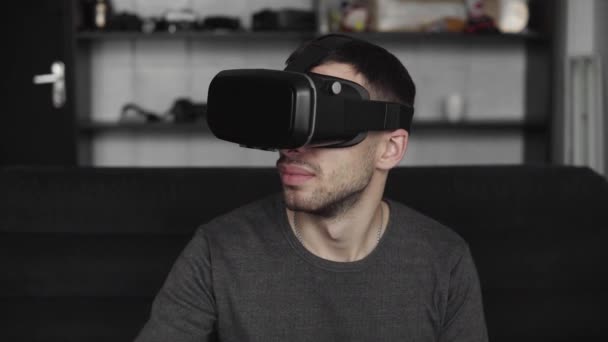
(293,175)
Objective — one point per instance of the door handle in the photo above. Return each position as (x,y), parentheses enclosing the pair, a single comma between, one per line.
(57,78)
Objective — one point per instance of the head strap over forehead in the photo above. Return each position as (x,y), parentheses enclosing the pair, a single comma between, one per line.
(315,52)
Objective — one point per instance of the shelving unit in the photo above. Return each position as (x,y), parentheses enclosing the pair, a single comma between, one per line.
(404,37)
(535,128)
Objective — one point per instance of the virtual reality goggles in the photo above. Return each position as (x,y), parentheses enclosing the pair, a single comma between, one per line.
(271,109)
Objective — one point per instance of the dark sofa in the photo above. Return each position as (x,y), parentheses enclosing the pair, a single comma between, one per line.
(84,250)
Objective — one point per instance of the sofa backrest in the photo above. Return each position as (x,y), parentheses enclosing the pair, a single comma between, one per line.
(84,250)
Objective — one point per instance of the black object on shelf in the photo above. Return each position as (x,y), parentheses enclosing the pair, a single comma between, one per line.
(284,20)
(131,112)
(125,21)
(220,23)
(183,110)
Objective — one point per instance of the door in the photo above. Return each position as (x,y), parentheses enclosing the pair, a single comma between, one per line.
(37,123)
(583,124)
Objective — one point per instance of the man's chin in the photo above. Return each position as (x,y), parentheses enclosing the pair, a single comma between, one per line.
(300,200)
(297,202)
(294,200)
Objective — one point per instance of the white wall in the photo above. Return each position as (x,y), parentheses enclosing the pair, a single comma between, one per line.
(580,27)
(601,43)
(152,73)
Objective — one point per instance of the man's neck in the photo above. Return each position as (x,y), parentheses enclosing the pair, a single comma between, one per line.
(348,237)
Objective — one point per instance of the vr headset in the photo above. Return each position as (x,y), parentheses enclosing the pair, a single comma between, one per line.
(271,109)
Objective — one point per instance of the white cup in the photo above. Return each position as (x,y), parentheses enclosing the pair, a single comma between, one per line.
(453,107)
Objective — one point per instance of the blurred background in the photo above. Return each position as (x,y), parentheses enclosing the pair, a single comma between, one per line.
(124,82)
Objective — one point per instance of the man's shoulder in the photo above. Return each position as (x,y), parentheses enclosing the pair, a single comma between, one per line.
(240,220)
(426,232)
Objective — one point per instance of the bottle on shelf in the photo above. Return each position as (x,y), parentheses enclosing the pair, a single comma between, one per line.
(102,11)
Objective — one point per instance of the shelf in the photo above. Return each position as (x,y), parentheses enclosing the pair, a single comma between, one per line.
(198,35)
(201,127)
(506,126)
(447,36)
(160,127)
(303,35)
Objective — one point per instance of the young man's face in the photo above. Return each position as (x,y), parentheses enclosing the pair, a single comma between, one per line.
(327,180)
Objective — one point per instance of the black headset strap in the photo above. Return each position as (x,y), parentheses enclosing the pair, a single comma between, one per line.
(360,120)
(366,115)
(314,53)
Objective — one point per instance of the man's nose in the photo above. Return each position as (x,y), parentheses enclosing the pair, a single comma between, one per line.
(293,151)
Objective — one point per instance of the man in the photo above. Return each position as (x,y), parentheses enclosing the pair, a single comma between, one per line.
(328,259)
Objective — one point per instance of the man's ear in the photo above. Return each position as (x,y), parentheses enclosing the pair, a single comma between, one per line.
(393,147)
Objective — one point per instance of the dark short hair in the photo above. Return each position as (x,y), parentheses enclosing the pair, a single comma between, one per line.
(387,78)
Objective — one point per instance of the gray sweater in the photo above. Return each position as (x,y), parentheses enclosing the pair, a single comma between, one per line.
(245,277)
